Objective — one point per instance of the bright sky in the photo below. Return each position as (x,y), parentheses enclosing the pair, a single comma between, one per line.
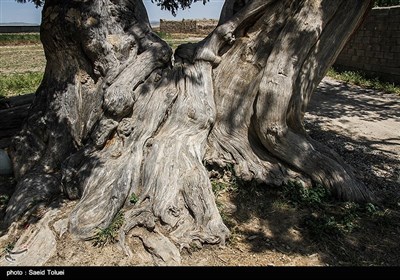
(11,11)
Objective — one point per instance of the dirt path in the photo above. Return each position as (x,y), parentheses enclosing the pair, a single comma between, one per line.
(363,127)
(364,115)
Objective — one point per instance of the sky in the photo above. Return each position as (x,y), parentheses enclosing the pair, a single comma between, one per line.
(11,11)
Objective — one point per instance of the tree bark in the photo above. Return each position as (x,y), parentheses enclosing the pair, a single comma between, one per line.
(114,117)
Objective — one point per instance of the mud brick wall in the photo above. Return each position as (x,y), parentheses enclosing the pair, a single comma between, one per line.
(375,47)
(188,26)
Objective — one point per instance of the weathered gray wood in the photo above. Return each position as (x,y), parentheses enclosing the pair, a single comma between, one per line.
(115,117)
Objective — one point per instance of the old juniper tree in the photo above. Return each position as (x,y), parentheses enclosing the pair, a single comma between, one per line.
(118,114)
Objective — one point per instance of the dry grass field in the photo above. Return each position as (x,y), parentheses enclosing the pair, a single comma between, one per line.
(22,61)
(22,64)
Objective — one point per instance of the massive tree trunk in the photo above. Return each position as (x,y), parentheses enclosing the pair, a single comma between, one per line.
(117,117)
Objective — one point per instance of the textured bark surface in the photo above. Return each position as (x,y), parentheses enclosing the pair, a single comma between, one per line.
(13,111)
(116,117)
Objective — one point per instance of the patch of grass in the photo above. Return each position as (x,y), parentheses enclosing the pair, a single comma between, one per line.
(298,194)
(360,79)
(175,40)
(19,39)
(219,186)
(323,227)
(133,198)
(164,35)
(109,234)
(337,221)
(381,217)
(281,205)
(326,218)
(21,83)
(9,247)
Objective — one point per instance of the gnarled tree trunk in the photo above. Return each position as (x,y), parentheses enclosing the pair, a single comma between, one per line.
(116,116)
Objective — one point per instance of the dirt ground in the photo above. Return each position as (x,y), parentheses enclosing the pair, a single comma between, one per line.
(268,227)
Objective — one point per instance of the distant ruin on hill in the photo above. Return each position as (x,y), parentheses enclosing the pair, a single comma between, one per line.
(188,26)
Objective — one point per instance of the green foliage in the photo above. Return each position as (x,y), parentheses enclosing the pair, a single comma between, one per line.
(371,208)
(333,222)
(109,234)
(174,5)
(218,187)
(19,83)
(324,226)
(326,217)
(36,2)
(133,199)
(170,5)
(360,79)
(344,218)
(163,35)
(9,247)
(19,39)
(297,194)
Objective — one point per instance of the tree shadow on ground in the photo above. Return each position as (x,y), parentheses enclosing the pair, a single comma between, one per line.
(293,221)
(334,100)
(340,233)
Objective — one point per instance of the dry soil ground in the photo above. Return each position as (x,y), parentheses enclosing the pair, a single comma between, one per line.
(21,58)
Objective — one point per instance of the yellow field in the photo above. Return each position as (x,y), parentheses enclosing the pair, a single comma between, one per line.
(21,59)
(22,65)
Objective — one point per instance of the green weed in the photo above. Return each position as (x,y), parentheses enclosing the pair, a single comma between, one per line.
(360,79)
(298,194)
(109,234)
(325,219)
(218,187)
(19,39)
(164,35)
(9,247)
(21,83)
(339,221)
(133,199)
